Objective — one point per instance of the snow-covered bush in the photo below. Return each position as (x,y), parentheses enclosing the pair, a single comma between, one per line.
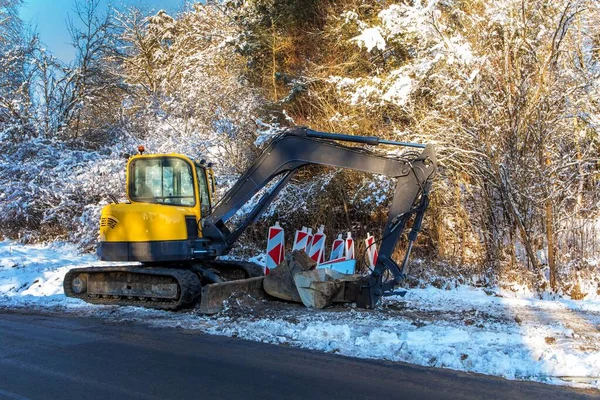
(50,190)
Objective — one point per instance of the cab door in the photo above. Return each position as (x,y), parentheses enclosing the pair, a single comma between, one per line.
(203,191)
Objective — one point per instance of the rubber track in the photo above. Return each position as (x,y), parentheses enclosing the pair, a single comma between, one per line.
(189,287)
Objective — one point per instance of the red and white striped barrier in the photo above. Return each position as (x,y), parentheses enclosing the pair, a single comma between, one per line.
(309,242)
(372,252)
(301,239)
(337,249)
(349,247)
(275,247)
(317,245)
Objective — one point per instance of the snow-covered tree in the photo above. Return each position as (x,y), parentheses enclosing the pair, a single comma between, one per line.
(507,91)
(187,85)
(15,50)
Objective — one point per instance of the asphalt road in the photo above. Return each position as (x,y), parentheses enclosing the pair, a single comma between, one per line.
(50,357)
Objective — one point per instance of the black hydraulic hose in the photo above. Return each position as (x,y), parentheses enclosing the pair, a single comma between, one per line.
(370,140)
(416,228)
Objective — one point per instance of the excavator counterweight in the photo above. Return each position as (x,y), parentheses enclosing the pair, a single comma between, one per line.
(173,227)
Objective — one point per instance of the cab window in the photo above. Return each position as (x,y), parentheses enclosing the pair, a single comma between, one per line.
(167,180)
(203,190)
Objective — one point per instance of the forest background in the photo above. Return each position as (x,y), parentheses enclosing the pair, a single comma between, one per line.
(507,90)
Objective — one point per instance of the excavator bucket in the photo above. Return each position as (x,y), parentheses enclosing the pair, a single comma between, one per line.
(322,287)
(295,279)
(280,281)
(213,295)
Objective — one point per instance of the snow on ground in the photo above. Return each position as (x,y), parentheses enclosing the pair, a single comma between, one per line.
(503,332)
(33,274)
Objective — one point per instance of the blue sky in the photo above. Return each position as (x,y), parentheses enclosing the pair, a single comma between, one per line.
(48,18)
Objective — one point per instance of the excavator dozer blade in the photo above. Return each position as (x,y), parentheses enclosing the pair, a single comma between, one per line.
(213,295)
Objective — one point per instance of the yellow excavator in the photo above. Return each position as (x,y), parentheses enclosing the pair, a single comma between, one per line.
(173,227)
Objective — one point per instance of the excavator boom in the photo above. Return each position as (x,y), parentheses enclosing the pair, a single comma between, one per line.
(287,153)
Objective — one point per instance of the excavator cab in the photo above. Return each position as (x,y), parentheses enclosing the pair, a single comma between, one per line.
(164,180)
(168,195)
(170,179)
